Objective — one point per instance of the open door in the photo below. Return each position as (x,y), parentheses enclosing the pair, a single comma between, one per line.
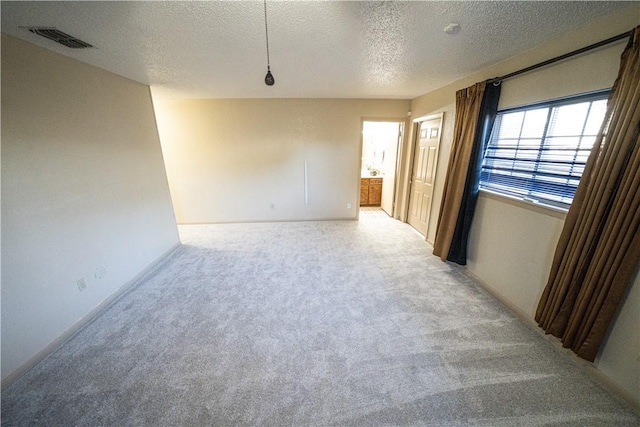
(425,161)
(380,161)
(390,170)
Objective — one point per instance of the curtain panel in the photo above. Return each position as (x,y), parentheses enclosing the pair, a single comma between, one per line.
(476,108)
(599,247)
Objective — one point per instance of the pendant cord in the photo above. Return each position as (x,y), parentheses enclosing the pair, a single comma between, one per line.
(266,31)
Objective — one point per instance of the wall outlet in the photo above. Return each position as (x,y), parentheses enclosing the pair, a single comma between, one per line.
(82,284)
(348,205)
(100,272)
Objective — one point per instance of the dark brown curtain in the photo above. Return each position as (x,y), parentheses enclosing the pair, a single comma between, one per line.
(599,247)
(468,106)
(466,212)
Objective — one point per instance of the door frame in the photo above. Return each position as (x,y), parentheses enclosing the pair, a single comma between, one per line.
(411,162)
(399,178)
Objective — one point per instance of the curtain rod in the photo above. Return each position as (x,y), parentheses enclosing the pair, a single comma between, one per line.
(562,57)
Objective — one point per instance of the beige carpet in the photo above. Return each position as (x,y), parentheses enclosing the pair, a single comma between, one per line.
(308,324)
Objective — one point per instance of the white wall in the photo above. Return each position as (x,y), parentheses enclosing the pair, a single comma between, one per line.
(511,243)
(243,159)
(84,191)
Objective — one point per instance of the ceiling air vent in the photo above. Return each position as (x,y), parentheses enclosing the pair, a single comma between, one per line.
(60,37)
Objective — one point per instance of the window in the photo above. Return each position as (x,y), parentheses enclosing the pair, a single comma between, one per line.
(538,152)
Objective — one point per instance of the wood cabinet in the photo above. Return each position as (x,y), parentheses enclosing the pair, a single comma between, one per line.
(364,191)
(370,191)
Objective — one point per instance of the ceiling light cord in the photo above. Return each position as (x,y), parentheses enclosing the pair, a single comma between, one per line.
(268,79)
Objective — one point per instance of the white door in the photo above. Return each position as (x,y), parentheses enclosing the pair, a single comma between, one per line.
(424,172)
(389,171)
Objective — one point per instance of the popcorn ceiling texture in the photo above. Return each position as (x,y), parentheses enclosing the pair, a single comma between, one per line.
(332,49)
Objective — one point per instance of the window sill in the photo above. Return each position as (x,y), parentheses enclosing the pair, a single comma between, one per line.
(553,211)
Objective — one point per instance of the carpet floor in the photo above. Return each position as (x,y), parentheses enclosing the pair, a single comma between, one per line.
(308,324)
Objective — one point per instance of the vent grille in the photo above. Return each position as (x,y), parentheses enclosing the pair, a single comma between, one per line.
(60,37)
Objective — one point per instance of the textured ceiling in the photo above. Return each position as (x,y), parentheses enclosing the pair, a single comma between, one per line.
(319,49)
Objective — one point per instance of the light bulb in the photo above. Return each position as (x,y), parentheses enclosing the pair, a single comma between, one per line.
(268,79)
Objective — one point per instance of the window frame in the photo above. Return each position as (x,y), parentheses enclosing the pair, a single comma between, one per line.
(592,96)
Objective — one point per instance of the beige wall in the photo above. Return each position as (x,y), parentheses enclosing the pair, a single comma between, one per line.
(512,244)
(243,159)
(84,192)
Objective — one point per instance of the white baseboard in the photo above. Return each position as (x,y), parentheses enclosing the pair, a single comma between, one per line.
(596,374)
(87,319)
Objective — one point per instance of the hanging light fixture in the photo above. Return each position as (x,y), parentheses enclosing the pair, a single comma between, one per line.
(268,79)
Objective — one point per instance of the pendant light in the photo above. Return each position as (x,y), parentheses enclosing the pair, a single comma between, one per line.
(268,79)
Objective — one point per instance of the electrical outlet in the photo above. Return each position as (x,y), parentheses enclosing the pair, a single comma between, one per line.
(100,272)
(82,284)
(348,205)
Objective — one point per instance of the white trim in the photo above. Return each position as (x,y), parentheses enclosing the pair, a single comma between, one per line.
(589,368)
(553,211)
(428,117)
(306,183)
(87,319)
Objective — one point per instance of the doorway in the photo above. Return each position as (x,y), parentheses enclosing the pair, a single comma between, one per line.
(381,141)
(423,173)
